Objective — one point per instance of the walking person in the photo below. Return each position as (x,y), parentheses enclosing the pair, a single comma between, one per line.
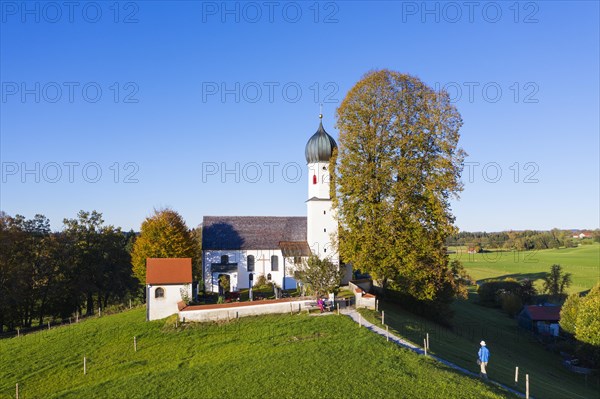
(482,360)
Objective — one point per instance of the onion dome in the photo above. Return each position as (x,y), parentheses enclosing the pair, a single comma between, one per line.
(320,146)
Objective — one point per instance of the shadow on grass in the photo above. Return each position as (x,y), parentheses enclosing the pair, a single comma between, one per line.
(516,276)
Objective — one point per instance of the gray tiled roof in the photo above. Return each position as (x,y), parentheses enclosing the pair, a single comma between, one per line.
(251,232)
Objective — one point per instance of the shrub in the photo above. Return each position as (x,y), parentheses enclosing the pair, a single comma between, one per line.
(261,281)
(568,313)
(489,293)
(527,291)
(588,318)
(511,303)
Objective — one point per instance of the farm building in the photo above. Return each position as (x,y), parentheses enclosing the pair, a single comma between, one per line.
(540,319)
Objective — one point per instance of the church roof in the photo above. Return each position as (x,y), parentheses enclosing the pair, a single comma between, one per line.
(251,232)
(320,146)
(168,270)
(291,249)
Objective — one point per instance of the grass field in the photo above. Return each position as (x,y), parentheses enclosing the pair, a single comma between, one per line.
(510,346)
(583,262)
(276,356)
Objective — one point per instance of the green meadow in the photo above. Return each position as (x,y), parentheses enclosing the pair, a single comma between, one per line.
(510,345)
(281,356)
(582,262)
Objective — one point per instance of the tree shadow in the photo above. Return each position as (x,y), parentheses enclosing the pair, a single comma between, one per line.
(221,236)
(516,276)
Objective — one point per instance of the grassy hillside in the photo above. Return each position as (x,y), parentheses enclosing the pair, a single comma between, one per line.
(272,356)
(583,262)
(509,345)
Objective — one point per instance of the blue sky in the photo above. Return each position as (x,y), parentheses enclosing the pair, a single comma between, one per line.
(205,107)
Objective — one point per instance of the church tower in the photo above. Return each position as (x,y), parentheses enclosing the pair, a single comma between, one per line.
(322,225)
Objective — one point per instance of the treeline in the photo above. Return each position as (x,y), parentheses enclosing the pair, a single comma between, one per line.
(519,240)
(45,274)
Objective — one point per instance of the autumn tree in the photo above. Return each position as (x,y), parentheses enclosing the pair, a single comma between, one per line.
(321,276)
(399,165)
(163,235)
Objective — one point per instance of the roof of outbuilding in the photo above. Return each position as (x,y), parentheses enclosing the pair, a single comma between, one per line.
(544,313)
(168,270)
(251,232)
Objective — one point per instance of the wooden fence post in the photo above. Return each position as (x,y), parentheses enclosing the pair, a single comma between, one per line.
(130,304)
(425,345)
(48,325)
(427,341)
(99,312)
(526,386)
(516,375)
(338,308)
(376,305)
(387,333)
(84,366)
(383,317)
(134,344)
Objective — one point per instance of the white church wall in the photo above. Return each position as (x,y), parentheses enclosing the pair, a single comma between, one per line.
(320,170)
(159,308)
(240,278)
(321,228)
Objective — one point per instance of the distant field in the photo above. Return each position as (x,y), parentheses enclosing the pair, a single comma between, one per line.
(282,356)
(583,262)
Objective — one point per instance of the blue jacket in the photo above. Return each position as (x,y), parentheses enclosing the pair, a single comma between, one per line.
(484,354)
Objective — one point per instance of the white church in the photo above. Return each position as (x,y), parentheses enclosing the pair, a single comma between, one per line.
(247,247)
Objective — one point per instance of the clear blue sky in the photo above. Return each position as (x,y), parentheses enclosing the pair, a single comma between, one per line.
(189,89)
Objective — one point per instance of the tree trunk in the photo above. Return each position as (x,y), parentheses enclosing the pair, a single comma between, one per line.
(90,304)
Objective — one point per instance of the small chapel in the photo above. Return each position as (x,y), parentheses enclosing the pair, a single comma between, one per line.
(244,248)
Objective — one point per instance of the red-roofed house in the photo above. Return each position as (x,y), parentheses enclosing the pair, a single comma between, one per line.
(540,319)
(167,281)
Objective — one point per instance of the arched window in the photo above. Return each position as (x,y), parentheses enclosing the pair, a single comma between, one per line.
(250,262)
(224,259)
(324,212)
(159,293)
(274,263)
(269,276)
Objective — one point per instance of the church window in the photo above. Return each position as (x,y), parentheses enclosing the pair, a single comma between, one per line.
(159,293)
(274,263)
(314,179)
(250,263)
(269,276)
(324,212)
(324,230)
(224,259)
(324,249)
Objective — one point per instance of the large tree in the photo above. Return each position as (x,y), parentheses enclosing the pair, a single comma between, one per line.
(398,166)
(163,235)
